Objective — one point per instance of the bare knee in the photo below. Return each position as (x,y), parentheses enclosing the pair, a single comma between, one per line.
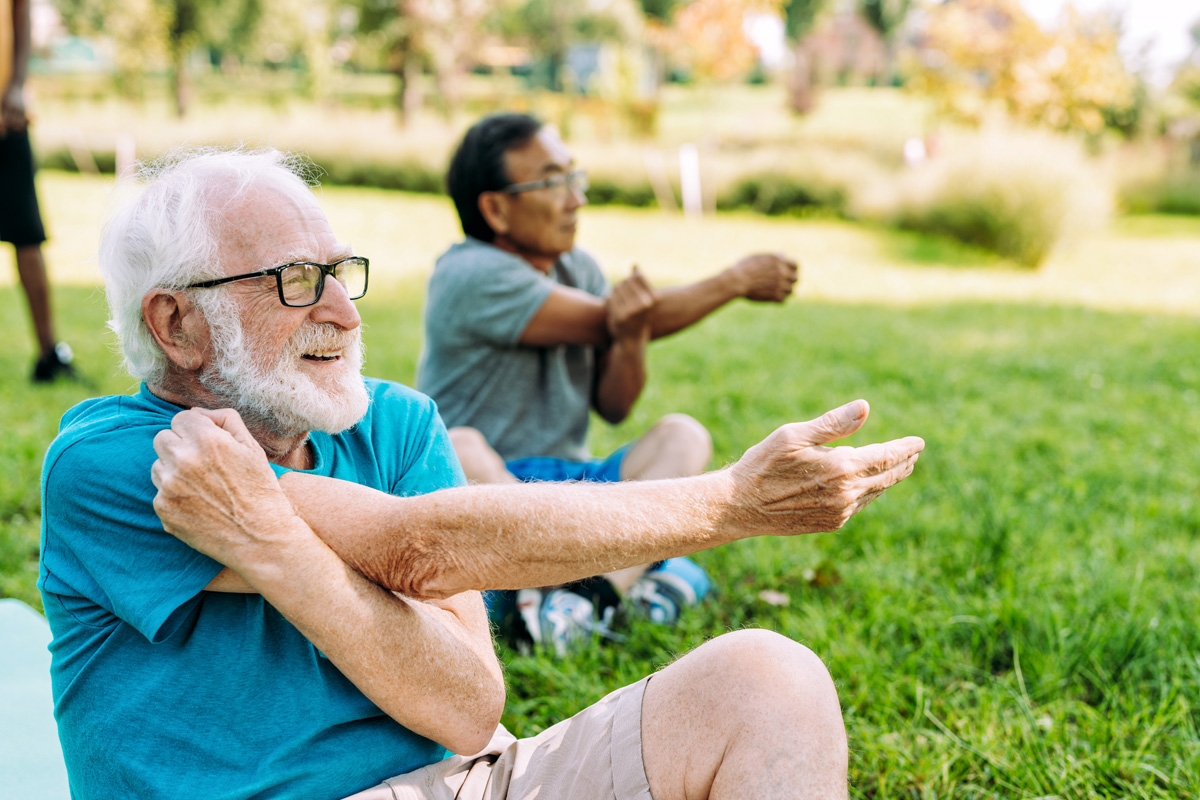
(760,658)
(677,446)
(480,462)
(749,708)
(687,432)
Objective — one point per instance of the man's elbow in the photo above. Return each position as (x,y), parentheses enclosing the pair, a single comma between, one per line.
(477,723)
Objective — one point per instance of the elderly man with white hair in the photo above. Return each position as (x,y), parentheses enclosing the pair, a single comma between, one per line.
(262,571)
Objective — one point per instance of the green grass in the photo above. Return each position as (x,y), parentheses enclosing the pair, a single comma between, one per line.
(1016,620)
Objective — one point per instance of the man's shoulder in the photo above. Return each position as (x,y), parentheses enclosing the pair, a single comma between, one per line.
(108,431)
(395,406)
(471,252)
(389,395)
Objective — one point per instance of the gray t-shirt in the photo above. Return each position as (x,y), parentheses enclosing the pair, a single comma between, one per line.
(527,401)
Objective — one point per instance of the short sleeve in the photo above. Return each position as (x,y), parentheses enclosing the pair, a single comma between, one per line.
(431,463)
(103,541)
(489,295)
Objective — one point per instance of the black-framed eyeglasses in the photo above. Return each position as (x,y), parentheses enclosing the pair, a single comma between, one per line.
(576,181)
(300,283)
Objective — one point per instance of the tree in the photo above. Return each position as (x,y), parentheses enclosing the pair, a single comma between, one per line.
(441,35)
(979,53)
(800,17)
(887,17)
(145,32)
(708,36)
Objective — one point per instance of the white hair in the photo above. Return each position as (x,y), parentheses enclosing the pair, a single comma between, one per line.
(167,236)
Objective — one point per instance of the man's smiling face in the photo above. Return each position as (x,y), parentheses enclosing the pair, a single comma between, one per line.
(289,369)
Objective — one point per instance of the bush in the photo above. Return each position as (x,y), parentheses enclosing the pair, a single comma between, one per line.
(1018,195)
(405,176)
(1174,193)
(774,193)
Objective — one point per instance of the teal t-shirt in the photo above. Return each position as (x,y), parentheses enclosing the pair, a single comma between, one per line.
(164,690)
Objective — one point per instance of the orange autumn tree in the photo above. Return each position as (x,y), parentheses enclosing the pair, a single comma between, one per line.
(708,37)
(975,54)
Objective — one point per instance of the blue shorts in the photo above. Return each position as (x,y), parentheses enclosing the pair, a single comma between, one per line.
(545,468)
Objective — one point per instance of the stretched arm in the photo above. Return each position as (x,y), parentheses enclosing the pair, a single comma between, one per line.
(428,665)
(621,369)
(571,316)
(519,535)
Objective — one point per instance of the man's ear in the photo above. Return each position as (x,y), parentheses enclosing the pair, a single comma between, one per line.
(495,209)
(177,325)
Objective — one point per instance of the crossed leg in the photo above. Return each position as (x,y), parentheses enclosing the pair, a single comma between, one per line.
(748,714)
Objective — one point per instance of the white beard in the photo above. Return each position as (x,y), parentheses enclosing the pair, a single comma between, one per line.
(280,397)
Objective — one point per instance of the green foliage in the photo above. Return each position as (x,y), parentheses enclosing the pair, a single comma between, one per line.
(885,16)
(1017,195)
(407,176)
(1177,192)
(776,193)
(800,16)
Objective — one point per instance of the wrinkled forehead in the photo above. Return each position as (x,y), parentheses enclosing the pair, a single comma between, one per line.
(270,223)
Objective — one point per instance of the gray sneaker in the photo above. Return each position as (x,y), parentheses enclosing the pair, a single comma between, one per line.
(561,619)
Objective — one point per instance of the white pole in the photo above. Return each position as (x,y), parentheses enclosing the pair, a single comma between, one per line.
(689,180)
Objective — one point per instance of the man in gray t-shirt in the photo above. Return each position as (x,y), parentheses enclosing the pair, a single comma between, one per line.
(523,336)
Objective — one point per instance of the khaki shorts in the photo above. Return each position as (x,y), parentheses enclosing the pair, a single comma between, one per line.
(594,755)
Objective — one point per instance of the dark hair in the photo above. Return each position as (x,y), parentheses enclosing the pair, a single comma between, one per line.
(478,166)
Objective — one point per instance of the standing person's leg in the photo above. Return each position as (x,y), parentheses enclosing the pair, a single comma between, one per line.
(21,224)
(748,714)
(31,269)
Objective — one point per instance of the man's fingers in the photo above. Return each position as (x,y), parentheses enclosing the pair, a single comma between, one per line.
(835,424)
(197,421)
(881,457)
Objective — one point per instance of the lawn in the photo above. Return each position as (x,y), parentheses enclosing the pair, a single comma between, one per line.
(1016,620)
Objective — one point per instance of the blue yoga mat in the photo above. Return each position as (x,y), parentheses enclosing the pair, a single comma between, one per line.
(31,761)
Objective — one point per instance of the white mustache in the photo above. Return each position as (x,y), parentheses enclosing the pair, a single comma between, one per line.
(319,337)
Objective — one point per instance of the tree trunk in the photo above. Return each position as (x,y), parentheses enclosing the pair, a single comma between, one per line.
(181,87)
(802,90)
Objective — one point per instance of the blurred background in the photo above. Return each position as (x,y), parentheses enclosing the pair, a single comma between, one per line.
(1010,126)
(996,206)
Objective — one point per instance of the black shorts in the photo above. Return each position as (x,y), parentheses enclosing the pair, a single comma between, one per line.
(20,218)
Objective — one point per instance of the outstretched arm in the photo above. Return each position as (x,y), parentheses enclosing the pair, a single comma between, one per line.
(540,534)
(762,277)
(429,665)
(572,316)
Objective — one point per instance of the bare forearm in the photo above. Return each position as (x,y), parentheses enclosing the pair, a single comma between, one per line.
(513,536)
(682,306)
(452,689)
(622,376)
(21,42)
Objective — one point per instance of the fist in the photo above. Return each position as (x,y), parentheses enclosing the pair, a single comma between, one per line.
(766,277)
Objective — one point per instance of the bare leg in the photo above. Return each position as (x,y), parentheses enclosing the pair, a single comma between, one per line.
(676,447)
(480,462)
(32,270)
(748,714)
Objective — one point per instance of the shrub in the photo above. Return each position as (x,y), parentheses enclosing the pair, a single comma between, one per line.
(1174,193)
(1016,194)
(775,193)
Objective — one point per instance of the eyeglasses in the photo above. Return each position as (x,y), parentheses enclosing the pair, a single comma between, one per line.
(301,282)
(576,181)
